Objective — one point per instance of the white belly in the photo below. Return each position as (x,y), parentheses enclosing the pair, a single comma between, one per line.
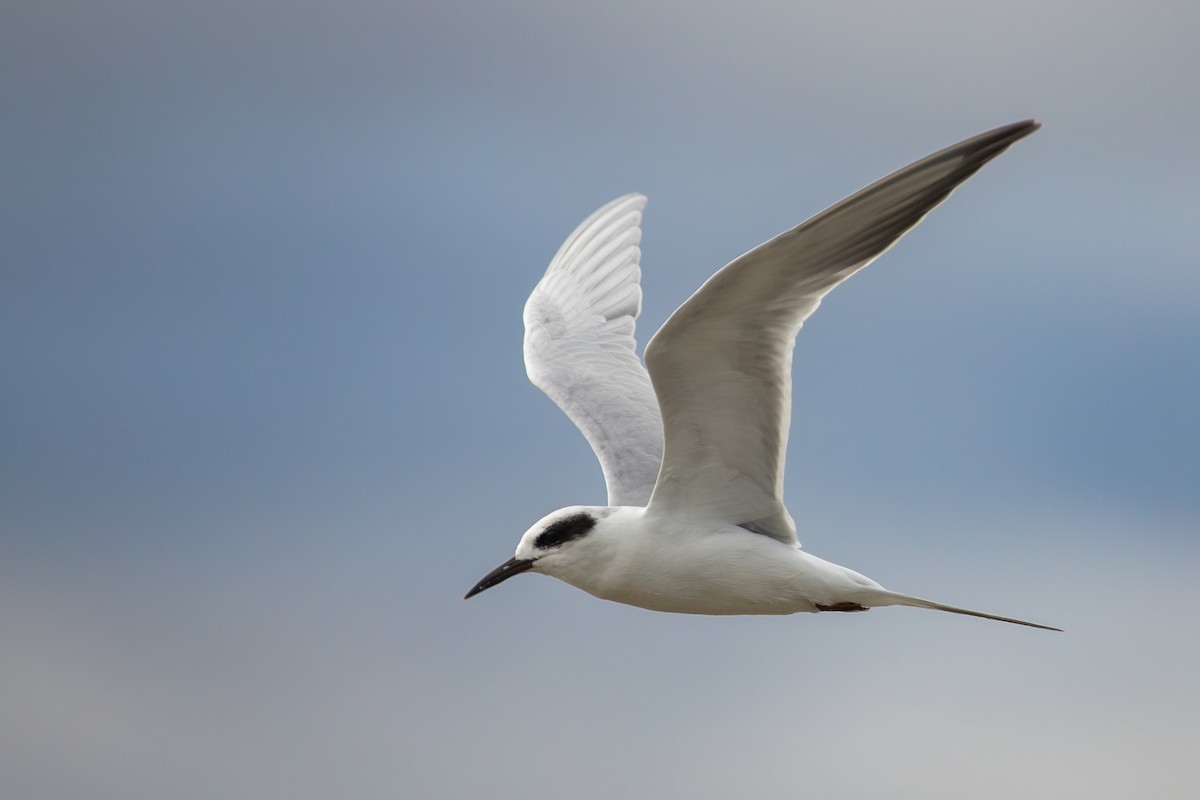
(723,572)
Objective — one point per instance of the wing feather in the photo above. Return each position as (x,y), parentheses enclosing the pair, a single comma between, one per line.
(721,365)
(581,351)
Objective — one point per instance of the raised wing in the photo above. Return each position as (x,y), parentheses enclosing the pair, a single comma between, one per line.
(580,348)
(722,364)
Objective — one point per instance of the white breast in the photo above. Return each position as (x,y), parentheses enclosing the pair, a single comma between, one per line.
(668,565)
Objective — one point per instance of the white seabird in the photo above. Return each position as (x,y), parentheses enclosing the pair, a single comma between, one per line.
(693,444)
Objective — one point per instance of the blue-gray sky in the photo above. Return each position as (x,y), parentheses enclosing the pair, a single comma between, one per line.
(264,417)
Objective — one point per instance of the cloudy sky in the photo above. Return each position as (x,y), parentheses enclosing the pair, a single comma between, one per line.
(263,417)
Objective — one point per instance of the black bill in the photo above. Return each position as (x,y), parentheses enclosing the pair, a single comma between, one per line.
(514,566)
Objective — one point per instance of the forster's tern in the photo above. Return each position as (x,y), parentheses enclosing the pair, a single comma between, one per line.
(692,445)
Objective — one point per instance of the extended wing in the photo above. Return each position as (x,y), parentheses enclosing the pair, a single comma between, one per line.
(580,348)
(722,364)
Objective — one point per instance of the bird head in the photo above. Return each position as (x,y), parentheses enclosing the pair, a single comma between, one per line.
(551,542)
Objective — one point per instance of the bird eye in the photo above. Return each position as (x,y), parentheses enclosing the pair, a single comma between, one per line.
(564,530)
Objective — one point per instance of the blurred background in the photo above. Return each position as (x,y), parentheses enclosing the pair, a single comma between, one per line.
(264,417)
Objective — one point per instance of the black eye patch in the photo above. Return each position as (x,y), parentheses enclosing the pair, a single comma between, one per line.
(564,530)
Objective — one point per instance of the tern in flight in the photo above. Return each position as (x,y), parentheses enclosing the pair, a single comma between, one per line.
(693,444)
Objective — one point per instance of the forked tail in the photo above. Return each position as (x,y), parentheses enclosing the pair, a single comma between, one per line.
(917,602)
